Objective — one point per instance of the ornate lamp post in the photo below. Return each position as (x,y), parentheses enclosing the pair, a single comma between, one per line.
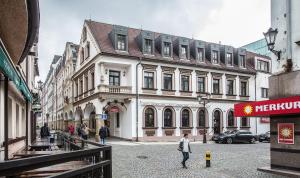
(204,100)
(270,37)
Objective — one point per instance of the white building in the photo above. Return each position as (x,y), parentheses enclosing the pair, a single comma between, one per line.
(170,72)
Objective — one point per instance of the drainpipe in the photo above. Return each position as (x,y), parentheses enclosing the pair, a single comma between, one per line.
(6,118)
(289,29)
(255,100)
(137,99)
(27,111)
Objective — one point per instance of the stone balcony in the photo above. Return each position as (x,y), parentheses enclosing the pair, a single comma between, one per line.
(115,89)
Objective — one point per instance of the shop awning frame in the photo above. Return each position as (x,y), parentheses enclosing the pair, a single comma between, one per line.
(9,70)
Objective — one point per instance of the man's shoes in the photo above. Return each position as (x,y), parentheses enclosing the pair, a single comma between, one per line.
(185,167)
(182,164)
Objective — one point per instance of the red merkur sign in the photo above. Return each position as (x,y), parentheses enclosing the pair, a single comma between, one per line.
(282,106)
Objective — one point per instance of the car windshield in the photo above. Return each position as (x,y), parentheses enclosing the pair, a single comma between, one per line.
(233,132)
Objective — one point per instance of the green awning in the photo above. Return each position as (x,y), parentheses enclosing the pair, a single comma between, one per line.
(9,71)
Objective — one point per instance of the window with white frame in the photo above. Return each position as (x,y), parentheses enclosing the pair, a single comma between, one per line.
(200,54)
(263,65)
(201,84)
(168,81)
(242,61)
(230,87)
(148,46)
(229,59)
(149,80)
(121,42)
(215,57)
(185,83)
(167,49)
(243,87)
(264,92)
(216,86)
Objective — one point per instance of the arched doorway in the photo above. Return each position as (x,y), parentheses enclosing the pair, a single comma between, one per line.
(89,118)
(78,117)
(115,113)
(217,121)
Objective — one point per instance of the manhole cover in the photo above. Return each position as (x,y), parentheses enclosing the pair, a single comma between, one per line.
(142,157)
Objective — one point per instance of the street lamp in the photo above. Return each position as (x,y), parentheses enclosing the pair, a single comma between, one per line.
(204,100)
(270,37)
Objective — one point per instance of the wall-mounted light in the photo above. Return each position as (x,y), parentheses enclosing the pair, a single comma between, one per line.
(124,73)
(270,37)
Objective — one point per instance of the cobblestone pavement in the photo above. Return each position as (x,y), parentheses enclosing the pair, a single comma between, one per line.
(163,160)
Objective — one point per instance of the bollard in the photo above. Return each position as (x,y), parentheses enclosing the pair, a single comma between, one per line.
(207,158)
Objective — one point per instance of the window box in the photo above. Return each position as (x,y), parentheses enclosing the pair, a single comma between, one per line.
(169,132)
(150,133)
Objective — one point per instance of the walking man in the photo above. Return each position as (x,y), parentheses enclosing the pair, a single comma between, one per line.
(45,133)
(103,133)
(184,147)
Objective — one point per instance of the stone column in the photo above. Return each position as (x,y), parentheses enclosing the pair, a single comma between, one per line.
(177,121)
(159,121)
(194,111)
(158,80)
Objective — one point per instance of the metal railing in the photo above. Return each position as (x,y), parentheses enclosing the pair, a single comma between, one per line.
(97,156)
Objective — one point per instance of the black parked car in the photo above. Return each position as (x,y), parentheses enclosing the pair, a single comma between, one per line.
(241,136)
(264,137)
(215,137)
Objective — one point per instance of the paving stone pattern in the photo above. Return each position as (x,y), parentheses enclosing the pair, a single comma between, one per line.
(163,160)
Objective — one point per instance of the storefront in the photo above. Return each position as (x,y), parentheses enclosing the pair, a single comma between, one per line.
(285,130)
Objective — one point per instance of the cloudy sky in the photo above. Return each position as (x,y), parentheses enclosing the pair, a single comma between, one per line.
(231,22)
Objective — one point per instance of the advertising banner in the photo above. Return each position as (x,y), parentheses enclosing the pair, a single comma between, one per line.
(282,106)
(286,133)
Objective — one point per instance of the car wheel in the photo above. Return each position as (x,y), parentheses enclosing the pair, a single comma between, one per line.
(252,140)
(229,140)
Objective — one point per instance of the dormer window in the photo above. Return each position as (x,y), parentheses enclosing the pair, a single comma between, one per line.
(229,59)
(148,46)
(167,49)
(200,56)
(121,42)
(242,61)
(214,56)
(183,52)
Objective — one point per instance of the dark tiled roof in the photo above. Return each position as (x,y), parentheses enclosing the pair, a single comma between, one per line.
(100,32)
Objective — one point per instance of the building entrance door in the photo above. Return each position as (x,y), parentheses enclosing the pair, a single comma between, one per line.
(217,122)
(113,122)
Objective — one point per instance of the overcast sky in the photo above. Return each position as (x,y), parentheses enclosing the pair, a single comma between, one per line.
(231,22)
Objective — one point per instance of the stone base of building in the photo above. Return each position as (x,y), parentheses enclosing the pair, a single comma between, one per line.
(283,172)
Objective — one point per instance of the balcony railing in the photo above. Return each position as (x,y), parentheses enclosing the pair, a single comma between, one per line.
(114,89)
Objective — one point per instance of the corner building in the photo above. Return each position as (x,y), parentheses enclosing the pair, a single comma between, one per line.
(123,71)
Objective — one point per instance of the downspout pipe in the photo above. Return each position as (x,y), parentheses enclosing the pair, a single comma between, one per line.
(255,100)
(137,99)
(289,29)
(6,118)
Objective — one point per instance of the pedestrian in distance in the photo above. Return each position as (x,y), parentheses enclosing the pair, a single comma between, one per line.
(184,147)
(103,133)
(85,131)
(45,132)
(71,129)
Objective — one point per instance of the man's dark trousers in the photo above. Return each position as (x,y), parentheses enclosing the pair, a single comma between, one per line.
(185,157)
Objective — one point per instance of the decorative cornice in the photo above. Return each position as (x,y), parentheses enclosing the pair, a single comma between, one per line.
(168,69)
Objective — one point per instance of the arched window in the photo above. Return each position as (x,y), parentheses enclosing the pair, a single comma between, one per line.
(168,118)
(149,117)
(230,119)
(201,118)
(185,118)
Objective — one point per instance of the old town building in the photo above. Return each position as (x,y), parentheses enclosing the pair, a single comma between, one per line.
(144,84)
(18,69)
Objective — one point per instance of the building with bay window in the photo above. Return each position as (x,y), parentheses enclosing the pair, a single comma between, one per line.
(146,83)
